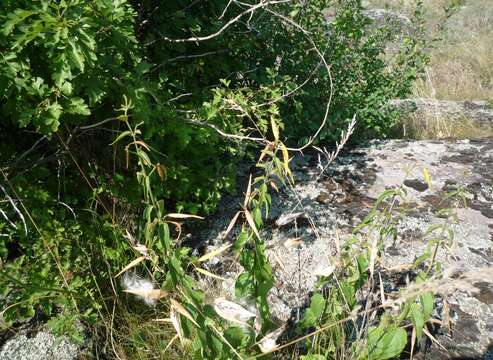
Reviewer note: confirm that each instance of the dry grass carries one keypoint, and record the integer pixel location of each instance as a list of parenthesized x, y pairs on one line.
[(137, 336), (436, 126), (461, 66)]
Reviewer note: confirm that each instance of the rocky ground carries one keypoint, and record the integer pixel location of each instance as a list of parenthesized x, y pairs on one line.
[(38, 345), (323, 210)]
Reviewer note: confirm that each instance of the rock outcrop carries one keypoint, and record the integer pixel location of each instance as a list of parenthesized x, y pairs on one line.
[(478, 112), (321, 211)]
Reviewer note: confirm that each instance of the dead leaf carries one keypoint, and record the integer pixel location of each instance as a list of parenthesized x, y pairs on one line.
[(274, 186), (286, 219), (251, 223), (413, 342), (233, 312), (129, 237), (142, 249), (432, 338), (285, 156), (175, 320), (131, 265), (263, 153), (269, 342), (275, 129), (173, 339), (141, 143), (161, 171), (294, 242), (248, 192), (179, 307), (163, 320), (231, 224), (214, 253), (178, 228), (153, 294), (208, 273), (183, 216)]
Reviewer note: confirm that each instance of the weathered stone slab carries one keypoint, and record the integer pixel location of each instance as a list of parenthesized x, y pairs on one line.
[(478, 112), (327, 208)]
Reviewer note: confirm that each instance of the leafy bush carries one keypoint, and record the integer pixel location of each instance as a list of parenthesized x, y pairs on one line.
[(63, 60), (69, 63), (203, 85)]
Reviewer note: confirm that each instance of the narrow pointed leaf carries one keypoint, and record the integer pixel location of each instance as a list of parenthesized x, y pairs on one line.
[(175, 320), (121, 136), (275, 129), (248, 192), (231, 224), (141, 143), (179, 308), (251, 223), (269, 342), (183, 216), (153, 294), (208, 273), (214, 253), (131, 265), (173, 339)]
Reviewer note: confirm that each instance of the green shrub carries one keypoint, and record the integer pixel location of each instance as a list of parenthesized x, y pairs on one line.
[(64, 70)]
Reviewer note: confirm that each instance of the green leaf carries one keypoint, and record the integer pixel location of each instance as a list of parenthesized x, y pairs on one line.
[(241, 241), (53, 112), (13, 19), (427, 301), (314, 312), (317, 304), (385, 343), (121, 136), (78, 106), (164, 237), (264, 279), (38, 87), (66, 88), (243, 285), (417, 319), (60, 76), (144, 157), (76, 55), (235, 336)]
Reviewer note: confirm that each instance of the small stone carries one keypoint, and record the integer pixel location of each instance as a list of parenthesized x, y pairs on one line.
[(416, 184)]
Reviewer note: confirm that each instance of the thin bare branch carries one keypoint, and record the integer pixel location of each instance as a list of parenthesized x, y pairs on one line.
[(260, 5), (331, 156), (225, 134), (187, 57), (11, 201)]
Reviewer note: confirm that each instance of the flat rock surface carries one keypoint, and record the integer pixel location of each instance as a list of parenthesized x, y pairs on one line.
[(40, 346), (322, 210)]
